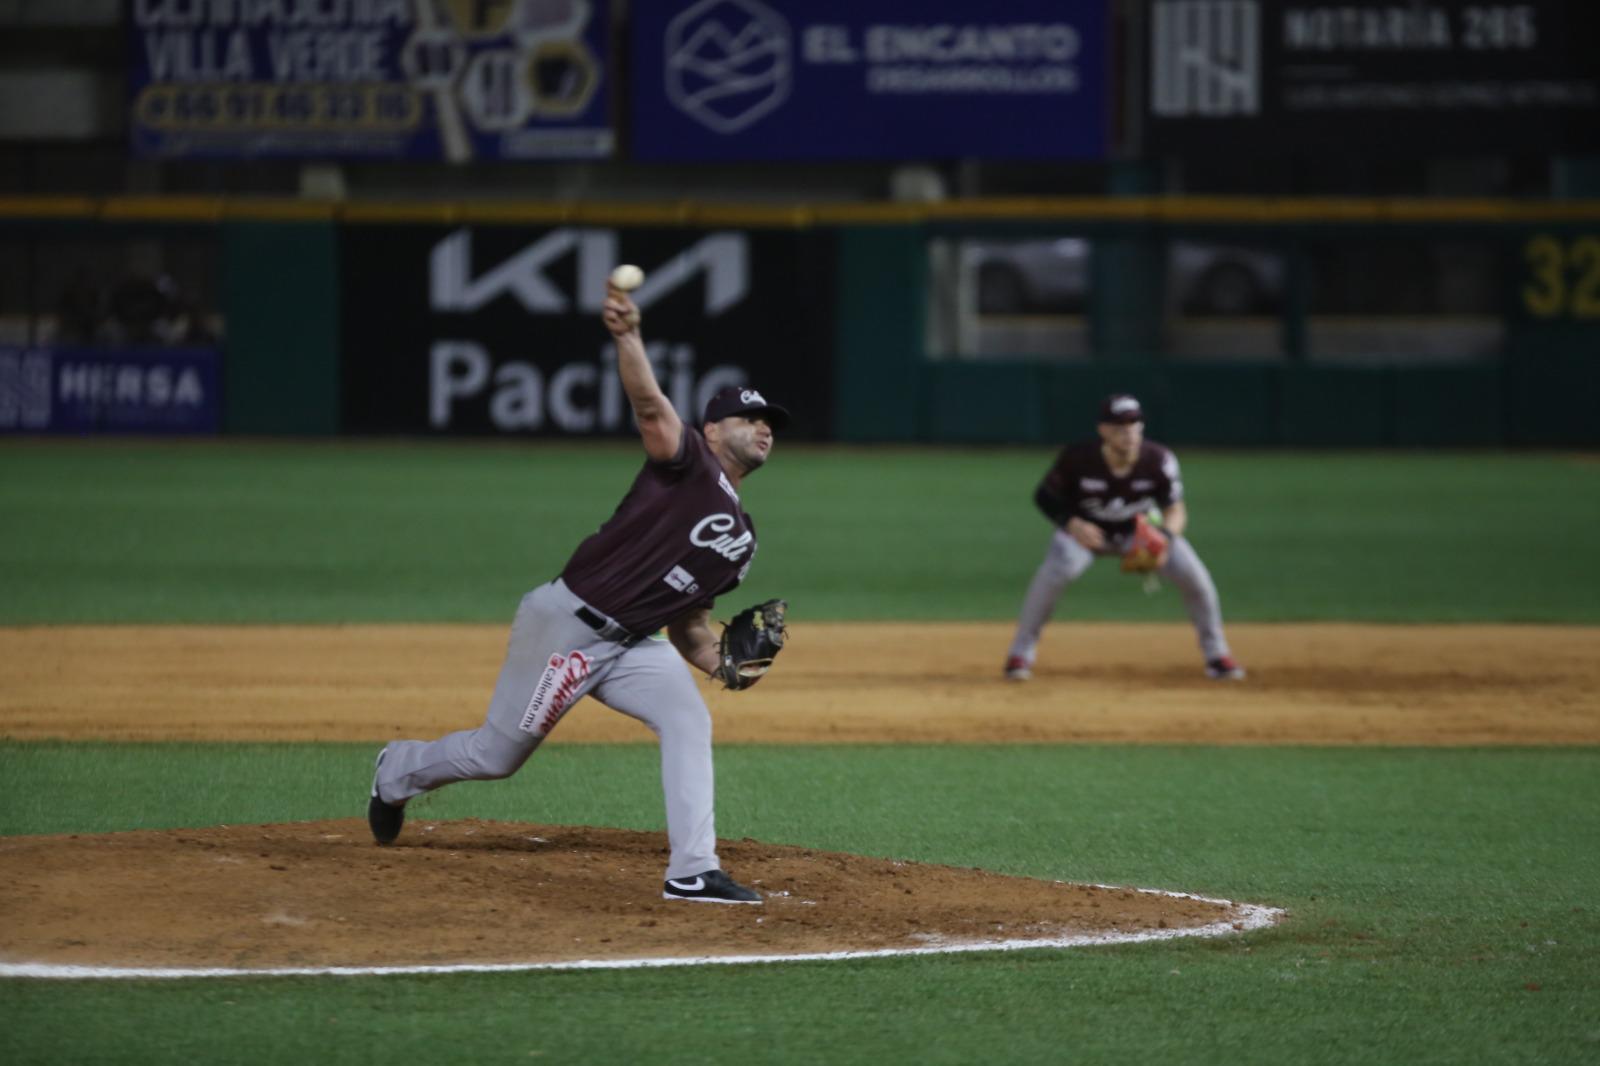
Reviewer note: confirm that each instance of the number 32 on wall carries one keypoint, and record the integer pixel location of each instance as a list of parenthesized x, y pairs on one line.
[(1563, 278)]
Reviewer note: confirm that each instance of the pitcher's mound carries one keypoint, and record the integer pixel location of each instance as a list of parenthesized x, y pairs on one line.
[(322, 894)]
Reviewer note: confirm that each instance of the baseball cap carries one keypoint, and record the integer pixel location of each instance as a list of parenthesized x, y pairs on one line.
[(1122, 408), (743, 400)]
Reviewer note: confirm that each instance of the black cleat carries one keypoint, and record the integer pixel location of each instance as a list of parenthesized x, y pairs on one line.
[(385, 819), (713, 886), (1224, 669)]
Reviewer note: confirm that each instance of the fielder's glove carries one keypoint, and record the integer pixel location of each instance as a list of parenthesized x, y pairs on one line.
[(749, 643), (1147, 549)]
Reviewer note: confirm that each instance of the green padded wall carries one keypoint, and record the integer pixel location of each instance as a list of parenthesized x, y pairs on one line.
[(1250, 405), (882, 279), (281, 292), (1332, 405), (1448, 406)]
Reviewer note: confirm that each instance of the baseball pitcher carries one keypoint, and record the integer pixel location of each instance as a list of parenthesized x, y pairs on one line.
[(678, 539), (1097, 496)]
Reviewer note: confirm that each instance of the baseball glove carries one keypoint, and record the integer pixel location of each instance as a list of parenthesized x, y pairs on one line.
[(1146, 551), (749, 643)]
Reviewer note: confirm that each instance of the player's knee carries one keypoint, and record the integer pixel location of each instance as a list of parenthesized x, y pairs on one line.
[(1193, 583), (1058, 570), (496, 761), (1065, 574), (689, 723)]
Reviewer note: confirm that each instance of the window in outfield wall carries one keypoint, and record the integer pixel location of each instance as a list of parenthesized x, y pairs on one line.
[(1029, 299), (1405, 301), (160, 292), (1224, 300), (1009, 299)]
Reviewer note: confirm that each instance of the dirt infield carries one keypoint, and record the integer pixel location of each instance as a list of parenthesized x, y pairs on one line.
[(1308, 684), (269, 896)]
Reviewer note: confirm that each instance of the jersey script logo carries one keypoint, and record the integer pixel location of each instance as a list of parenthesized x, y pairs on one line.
[(712, 532), (1117, 509)]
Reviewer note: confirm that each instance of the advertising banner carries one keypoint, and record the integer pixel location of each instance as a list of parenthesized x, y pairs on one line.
[(893, 79), (1372, 77), (422, 79), (495, 330), (110, 390)]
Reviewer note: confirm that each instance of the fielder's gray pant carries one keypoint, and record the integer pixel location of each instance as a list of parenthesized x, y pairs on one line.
[(553, 660), (1065, 562)]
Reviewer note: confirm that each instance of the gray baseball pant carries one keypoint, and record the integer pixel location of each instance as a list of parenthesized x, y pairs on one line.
[(553, 659), (1065, 562)]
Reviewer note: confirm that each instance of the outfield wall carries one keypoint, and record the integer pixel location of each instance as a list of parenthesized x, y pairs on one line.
[(457, 319)]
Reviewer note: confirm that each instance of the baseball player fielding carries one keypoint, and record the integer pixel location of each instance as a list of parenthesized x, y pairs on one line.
[(1097, 495), (627, 277)]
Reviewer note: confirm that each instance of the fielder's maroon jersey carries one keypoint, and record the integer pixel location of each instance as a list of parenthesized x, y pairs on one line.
[(677, 540), (1082, 484)]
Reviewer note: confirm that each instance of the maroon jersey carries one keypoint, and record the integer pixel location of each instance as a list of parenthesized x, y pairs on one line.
[(1082, 484), (677, 540)]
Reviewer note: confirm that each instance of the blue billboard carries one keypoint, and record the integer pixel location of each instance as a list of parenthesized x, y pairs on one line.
[(457, 80), (890, 79), (110, 390)]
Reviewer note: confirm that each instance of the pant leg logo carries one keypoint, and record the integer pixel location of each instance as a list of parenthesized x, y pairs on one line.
[(555, 693)]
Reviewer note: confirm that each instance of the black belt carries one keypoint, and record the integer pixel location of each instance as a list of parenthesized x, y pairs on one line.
[(607, 629)]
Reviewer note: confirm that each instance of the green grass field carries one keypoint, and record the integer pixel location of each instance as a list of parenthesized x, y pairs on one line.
[(1442, 901), (383, 532)]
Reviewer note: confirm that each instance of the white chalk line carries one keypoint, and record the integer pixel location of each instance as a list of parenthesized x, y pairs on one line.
[(1248, 917)]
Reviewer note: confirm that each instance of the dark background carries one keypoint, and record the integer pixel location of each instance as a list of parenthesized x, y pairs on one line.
[(1565, 53)]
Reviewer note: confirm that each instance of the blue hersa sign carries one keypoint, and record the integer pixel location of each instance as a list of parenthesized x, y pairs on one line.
[(886, 79)]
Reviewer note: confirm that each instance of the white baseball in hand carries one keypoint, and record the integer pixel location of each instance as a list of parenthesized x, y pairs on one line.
[(627, 277)]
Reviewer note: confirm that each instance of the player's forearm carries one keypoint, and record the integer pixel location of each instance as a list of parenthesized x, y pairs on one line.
[(659, 425), (695, 642), (639, 379), (1085, 532), (1175, 519)]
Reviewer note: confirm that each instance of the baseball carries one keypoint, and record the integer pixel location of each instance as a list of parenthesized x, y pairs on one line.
[(627, 277)]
